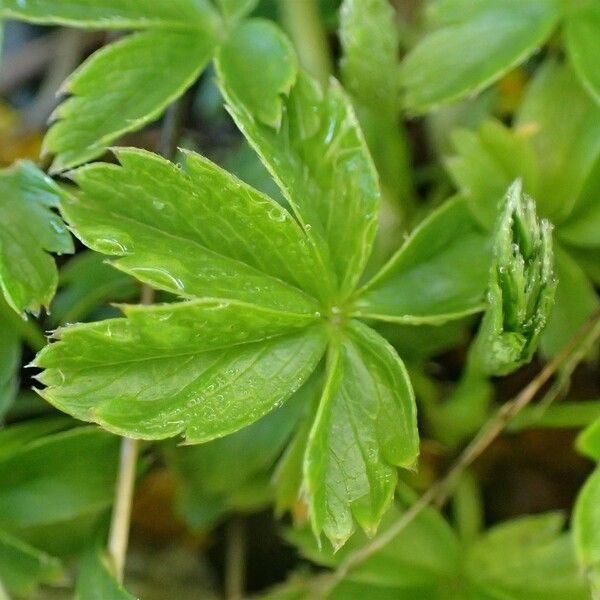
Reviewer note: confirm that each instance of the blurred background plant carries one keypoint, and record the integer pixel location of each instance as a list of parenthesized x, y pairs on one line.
[(457, 100)]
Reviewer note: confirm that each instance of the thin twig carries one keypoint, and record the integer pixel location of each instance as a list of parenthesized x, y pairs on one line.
[(235, 560), (438, 493)]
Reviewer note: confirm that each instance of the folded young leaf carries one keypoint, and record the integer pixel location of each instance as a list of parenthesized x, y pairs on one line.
[(365, 427), (23, 567), (316, 154), (521, 288), (203, 368), (112, 14), (582, 33), (444, 66), (439, 274), (142, 73), (28, 232), (195, 233), (586, 529), (566, 143), (528, 558)]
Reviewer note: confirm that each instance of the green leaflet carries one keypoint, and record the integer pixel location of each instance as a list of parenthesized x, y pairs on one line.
[(111, 14), (23, 567), (201, 233), (444, 66), (370, 67), (319, 159), (521, 289), (159, 65), (365, 426), (135, 377), (87, 284), (486, 162), (527, 558), (95, 580), (586, 528), (566, 143), (439, 274), (28, 232), (582, 33), (261, 68)]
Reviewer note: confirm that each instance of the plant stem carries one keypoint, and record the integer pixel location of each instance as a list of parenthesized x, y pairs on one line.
[(3, 593), (438, 493), (121, 516), (302, 21), (235, 560)]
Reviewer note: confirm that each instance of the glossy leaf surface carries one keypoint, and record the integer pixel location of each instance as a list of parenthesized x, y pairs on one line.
[(365, 427), (160, 66), (318, 157), (439, 274)]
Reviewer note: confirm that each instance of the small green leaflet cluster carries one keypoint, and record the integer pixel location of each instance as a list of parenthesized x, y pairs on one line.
[(267, 296), (442, 66), (521, 289), (527, 558), (556, 153), (130, 82)]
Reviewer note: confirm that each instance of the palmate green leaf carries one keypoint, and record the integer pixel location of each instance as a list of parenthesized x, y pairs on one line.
[(159, 66), (365, 426), (316, 154), (521, 289), (23, 567), (28, 232), (95, 580), (444, 66), (439, 274), (582, 33), (111, 14), (566, 142), (527, 558), (200, 233), (54, 488), (586, 529), (204, 367)]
